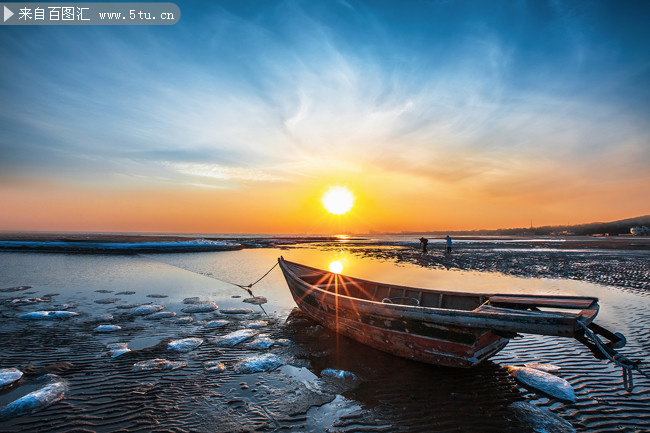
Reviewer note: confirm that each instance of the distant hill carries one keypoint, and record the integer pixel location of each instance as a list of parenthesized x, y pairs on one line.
[(612, 228)]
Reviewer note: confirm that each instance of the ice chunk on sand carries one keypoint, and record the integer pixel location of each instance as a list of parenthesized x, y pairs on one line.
[(545, 382), (161, 315), (185, 344), (107, 328), (260, 343), (214, 366), (9, 376), (19, 302), (127, 306), (48, 315), (217, 324), (548, 368), (234, 338), (192, 300), (203, 307), (158, 364), (117, 349), (237, 311), (256, 300), (185, 320), (143, 310), (53, 391), (106, 300), (255, 364), (338, 374), (540, 419), (257, 324)]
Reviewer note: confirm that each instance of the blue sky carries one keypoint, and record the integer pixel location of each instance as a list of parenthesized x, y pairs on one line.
[(493, 99)]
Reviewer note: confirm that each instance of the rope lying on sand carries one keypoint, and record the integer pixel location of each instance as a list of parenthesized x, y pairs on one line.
[(619, 359)]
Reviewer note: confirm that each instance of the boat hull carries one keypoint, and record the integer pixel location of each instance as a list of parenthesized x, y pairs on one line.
[(431, 343)]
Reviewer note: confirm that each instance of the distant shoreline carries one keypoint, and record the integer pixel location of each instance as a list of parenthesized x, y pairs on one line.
[(106, 243)]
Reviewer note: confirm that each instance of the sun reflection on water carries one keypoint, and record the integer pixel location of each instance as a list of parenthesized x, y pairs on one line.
[(336, 267)]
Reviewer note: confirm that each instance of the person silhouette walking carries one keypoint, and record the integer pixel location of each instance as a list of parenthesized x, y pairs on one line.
[(448, 243), (424, 242)]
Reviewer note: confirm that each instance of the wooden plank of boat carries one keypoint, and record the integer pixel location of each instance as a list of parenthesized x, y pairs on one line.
[(441, 327), (541, 301)]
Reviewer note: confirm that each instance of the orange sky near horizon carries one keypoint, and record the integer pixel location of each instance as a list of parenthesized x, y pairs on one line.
[(382, 203)]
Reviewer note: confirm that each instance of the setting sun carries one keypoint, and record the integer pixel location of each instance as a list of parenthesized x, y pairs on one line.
[(338, 200)]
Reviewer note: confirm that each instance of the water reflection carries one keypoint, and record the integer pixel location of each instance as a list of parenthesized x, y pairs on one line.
[(408, 394), (336, 266)]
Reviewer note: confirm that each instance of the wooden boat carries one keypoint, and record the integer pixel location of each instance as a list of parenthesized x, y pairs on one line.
[(433, 326)]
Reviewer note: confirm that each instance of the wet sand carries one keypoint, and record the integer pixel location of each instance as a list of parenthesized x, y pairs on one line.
[(388, 393)]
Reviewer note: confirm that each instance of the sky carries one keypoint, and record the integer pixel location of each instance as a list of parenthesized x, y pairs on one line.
[(436, 115)]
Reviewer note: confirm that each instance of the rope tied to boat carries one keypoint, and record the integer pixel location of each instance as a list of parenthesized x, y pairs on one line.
[(628, 365), (249, 287)]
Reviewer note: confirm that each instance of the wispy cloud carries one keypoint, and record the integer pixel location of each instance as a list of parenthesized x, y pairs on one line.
[(434, 90), (225, 173)]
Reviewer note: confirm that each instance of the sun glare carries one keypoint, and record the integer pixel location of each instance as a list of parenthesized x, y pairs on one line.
[(338, 200), (336, 267)]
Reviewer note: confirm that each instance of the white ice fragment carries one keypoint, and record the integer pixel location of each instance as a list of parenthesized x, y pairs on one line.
[(237, 311), (117, 349), (143, 310), (548, 368), (158, 364), (255, 364), (185, 344), (214, 366), (540, 419), (217, 324), (545, 382), (161, 315), (43, 397), (256, 300), (48, 315), (107, 328), (202, 307), (338, 374), (257, 324), (234, 338), (9, 376), (261, 342)]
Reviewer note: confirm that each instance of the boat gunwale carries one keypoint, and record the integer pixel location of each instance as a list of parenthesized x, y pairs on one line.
[(423, 289), (434, 314)]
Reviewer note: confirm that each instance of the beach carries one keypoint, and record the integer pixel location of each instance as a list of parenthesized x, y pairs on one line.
[(218, 387)]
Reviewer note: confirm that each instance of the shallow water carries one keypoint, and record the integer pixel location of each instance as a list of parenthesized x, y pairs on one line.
[(391, 394)]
